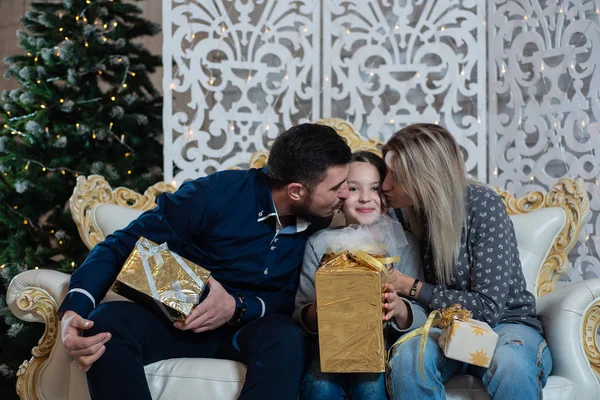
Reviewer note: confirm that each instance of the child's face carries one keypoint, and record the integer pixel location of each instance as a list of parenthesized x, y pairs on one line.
[(363, 206)]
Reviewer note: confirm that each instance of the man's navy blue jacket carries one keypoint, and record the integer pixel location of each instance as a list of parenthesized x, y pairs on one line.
[(226, 223)]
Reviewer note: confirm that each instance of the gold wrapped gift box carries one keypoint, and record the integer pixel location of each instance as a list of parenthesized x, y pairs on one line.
[(161, 280), (348, 292), (470, 341)]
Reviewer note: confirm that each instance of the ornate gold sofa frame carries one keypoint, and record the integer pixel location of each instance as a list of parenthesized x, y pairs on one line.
[(547, 226)]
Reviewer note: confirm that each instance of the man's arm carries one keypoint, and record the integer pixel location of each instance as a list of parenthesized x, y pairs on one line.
[(176, 219)]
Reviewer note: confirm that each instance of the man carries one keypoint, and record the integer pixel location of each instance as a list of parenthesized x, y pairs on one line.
[(249, 229)]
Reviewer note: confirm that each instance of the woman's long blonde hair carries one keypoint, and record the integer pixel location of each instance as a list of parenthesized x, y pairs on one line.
[(427, 162)]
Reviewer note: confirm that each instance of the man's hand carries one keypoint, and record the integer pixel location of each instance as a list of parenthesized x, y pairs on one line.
[(85, 350), (216, 309)]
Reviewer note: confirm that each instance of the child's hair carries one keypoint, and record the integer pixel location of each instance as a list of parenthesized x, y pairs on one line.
[(376, 161)]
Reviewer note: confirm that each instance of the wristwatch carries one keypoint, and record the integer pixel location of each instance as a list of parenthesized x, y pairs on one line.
[(240, 310), (413, 289)]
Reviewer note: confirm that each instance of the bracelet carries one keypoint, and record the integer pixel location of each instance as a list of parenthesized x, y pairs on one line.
[(240, 310), (413, 289)]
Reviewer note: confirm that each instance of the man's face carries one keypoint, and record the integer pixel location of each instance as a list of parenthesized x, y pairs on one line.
[(328, 195)]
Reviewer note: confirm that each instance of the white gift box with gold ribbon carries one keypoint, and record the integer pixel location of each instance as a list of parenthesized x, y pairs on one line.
[(470, 341)]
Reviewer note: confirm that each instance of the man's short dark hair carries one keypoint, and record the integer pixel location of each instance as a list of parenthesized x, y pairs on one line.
[(303, 153)]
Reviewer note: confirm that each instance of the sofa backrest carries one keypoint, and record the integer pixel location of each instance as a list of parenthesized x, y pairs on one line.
[(547, 226), (536, 232)]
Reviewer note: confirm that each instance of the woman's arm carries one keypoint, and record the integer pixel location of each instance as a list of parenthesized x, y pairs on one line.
[(489, 273)]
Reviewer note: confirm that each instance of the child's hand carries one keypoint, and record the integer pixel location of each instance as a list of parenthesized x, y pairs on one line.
[(394, 307), (390, 301)]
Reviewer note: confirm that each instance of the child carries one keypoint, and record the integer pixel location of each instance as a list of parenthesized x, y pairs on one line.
[(364, 206)]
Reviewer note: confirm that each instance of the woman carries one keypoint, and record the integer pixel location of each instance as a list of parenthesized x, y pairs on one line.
[(470, 257), (364, 206)]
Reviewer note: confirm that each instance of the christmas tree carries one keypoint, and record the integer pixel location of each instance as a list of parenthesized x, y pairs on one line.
[(85, 106)]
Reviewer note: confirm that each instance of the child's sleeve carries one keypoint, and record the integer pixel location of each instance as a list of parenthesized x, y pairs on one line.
[(410, 264), (306, 294)]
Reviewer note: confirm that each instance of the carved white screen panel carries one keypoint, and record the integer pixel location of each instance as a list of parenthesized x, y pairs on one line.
[(544, 92), (236, 73), (387, 64)]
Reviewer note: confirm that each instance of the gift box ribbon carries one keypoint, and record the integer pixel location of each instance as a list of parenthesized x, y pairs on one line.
[(147, 250), (441, 319), (362, 258)]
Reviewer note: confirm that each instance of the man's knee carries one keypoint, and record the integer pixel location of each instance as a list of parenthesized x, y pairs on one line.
[(281, 327), (112, 316), (275, 332)]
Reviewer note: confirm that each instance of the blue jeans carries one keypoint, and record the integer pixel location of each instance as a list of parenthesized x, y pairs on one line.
[(519, 368), (354, 386)]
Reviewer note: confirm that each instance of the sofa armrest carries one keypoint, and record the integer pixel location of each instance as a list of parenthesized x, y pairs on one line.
[(34, 296), (571, 316), (33, 286)]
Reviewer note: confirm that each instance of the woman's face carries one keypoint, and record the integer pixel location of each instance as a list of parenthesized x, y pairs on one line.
[(395, 195), (363, 205)]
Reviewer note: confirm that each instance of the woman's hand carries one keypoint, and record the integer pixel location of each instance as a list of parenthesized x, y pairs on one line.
[(401, 282)]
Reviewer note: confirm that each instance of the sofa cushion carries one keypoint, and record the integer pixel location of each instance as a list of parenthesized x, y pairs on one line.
[(467, 387), (536, 231), (195, 378)]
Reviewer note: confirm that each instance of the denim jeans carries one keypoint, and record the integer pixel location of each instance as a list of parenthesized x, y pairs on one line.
[(519, 368), (354, 386)]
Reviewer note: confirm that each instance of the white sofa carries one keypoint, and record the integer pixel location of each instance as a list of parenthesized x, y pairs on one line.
[(547, 228)]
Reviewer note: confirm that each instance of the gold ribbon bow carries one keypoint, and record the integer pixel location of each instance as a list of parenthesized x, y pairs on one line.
[(359, 257), (442, 319)]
